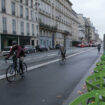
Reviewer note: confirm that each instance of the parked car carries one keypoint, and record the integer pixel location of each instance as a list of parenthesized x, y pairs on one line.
[(29, 49), (57, 46), (43, 48), (81, 45), (94, 45), (86, 45), (6, 50)]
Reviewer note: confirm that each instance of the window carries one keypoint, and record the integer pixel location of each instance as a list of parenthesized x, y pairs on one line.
[(14, 26), (4, 20), (32, 3), (21, 11), (26, 2), (32, 29), (27, 27), (21, 1), (27, 13), (13, 8), (3, 6), (32, 15), (22, 28)]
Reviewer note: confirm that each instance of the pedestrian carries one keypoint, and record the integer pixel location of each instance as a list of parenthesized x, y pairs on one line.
[(99, 47)]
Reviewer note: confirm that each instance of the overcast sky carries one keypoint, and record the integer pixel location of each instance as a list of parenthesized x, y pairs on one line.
[(95, 10)]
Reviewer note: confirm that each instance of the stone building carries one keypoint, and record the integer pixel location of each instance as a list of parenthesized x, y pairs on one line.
[(81, 28), (55, 24), (17, 22), (75, 29)]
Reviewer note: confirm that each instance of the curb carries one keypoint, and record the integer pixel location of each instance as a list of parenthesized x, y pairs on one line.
[(74, 94)]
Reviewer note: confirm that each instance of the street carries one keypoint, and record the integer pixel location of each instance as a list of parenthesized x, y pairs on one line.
[(50, 84)]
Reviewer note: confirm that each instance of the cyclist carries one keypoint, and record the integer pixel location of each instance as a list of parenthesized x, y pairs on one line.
[(99, 47), (17, 52), (63, 52)]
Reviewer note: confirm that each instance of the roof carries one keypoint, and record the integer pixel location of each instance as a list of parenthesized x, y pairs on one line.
[(69, 2)]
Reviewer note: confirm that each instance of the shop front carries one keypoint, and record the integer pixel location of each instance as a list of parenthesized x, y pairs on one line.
[(6, 40), (24, 40), (46, 41), (59, 39)]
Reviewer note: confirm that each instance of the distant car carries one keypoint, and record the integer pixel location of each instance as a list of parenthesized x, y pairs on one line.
[(81, 45), (57, 46), (43, 48), (94, 45), (29, 49), (6, 50), (86, 45)]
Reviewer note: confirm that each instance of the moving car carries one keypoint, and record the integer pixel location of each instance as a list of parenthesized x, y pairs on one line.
[(29, 49), (6, 50)]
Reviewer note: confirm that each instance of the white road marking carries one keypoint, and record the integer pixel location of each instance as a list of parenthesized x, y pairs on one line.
[(51, 54), (47, 63)]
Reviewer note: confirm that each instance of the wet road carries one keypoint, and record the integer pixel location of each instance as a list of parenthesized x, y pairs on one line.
[(50, 84)]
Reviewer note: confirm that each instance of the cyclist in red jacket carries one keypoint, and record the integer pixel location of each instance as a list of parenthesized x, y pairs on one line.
[(17, 52)]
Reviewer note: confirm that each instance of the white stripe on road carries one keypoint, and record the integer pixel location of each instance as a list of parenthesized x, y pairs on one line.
[(51, 54), (46, 63)]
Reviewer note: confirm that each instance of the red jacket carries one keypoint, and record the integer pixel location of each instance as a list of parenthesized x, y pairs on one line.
[(19, 49)]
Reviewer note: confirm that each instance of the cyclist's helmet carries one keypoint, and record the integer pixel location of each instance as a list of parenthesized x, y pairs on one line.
[(14, 43)]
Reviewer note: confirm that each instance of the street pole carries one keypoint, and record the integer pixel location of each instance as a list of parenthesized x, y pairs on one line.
[(104, 45)]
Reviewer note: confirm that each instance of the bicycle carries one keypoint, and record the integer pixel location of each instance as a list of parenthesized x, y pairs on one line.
[(12, 74), (62, 59)]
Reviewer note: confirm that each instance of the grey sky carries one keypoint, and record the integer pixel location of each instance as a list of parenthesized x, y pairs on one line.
[(94, 9)]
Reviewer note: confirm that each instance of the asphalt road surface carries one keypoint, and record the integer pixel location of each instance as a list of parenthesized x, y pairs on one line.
[(50, 84)]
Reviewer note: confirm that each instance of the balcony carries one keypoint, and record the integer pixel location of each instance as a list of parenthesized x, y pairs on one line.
[(66, 32), (47, 27)]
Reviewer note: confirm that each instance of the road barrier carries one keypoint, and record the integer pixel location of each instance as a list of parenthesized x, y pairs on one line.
[(90, 98), (96, 81), (95, 85), (100, 68), (103, 58)]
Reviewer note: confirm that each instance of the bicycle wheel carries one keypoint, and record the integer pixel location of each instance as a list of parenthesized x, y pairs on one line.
[(24, 67), (11, 74), (62, 60)]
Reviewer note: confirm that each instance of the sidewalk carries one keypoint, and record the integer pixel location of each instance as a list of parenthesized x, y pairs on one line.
[(79, 86)]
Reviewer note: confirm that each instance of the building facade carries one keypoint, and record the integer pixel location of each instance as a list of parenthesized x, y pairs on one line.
[(54, 19), (42, 22), (75, 29), (17, 22), (81, 28)]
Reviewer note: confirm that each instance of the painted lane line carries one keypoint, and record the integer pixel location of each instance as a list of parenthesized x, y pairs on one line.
[(51, 54), (46, 63), (2, 76)]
